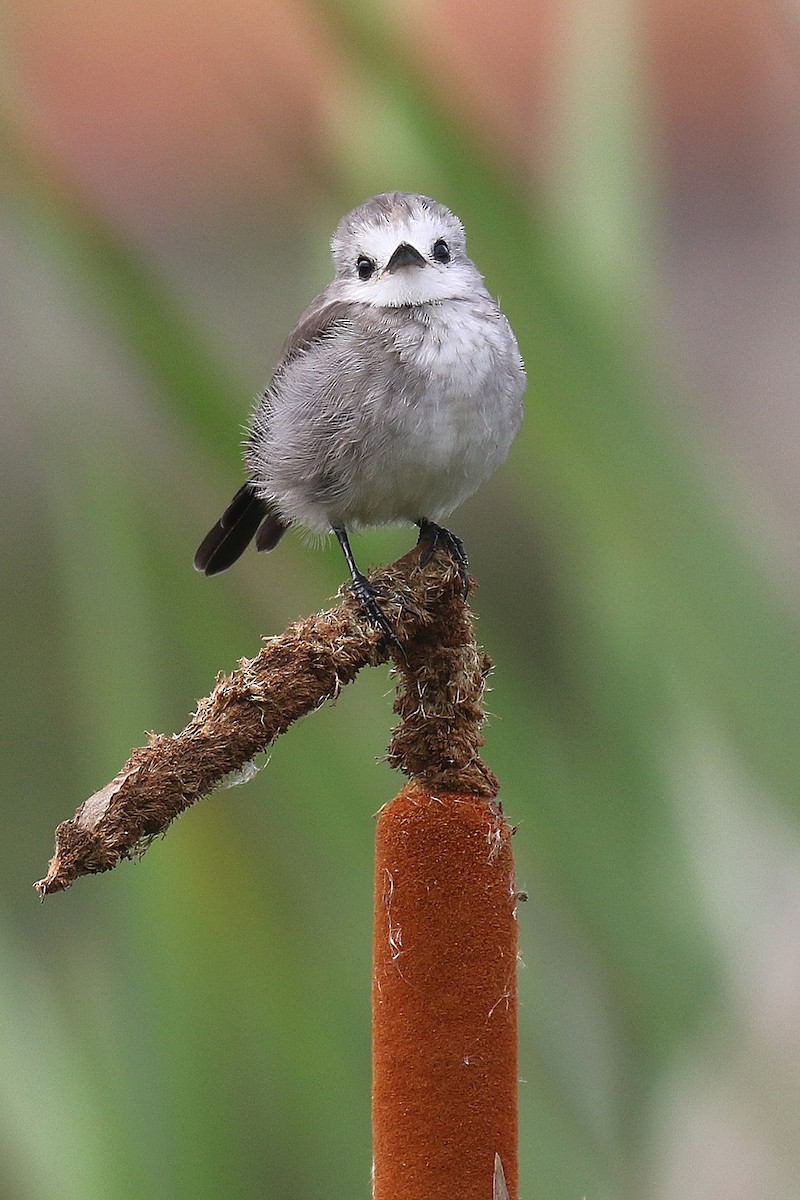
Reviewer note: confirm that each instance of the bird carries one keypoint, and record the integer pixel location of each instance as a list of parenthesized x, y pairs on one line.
[(397, 394)]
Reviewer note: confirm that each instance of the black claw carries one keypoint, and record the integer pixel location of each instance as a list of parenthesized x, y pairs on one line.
[(432, 537), (367, 597)]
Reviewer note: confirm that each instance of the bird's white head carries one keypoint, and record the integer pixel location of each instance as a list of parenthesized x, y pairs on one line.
[(400, 249)]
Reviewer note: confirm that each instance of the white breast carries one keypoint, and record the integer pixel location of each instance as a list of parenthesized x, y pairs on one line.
[(401, 416), (462, 410)]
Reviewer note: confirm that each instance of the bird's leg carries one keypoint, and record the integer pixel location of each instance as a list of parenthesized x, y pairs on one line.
[(365, 592), (432, 537)]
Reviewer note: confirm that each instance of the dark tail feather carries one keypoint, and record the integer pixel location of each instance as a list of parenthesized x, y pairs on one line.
[(270, 532), (235, 529)]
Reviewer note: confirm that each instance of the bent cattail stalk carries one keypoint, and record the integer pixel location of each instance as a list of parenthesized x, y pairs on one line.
[(445, 940), (293, 674)]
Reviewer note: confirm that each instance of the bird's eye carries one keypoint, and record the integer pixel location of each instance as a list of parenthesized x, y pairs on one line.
[(365, 267), (441, 251)]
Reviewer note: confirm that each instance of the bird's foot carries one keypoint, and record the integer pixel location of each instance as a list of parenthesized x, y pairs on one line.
[(367, 596), (431, 537)]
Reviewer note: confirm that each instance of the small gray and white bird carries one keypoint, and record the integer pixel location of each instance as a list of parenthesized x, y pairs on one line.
[(397, 394)]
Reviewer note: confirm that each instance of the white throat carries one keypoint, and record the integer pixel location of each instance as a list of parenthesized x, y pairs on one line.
[(413, 285)]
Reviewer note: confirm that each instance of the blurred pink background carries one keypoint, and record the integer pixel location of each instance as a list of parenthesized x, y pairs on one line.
[(164, 111)]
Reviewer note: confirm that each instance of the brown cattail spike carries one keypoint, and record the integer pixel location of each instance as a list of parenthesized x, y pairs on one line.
[(444, 999)]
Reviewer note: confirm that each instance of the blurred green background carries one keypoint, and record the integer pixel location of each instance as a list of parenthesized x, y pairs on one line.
[(197, 1024)]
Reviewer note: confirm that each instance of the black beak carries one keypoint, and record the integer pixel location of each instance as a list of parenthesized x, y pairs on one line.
[(405, 256)]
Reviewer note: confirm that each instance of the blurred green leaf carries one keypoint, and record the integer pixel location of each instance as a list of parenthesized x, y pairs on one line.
[(226, 1026)]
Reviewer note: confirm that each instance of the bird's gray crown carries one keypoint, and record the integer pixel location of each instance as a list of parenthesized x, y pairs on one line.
[(396, 209)]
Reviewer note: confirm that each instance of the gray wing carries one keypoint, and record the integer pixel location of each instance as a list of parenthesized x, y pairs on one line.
[(323, 319), (321, 322), (335, 354), (248, 514)]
